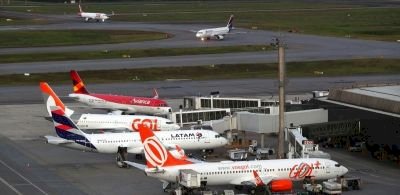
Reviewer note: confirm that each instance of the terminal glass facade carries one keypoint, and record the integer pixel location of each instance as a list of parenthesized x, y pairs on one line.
[(193, 117), (229, 103)]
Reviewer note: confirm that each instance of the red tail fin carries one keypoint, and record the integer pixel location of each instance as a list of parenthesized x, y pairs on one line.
[(49, 93), (155, 152), (51, 99), (79, 87)]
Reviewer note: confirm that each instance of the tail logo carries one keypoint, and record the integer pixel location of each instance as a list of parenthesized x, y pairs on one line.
[(156, 153)]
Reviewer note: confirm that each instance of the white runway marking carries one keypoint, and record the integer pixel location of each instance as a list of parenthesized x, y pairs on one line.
[(10, 186), (24, 178)]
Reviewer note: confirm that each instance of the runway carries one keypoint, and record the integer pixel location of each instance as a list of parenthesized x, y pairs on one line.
[(300, 48)]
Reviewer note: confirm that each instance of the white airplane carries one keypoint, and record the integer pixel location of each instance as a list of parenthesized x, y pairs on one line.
[(277, 174), (106, 121), (93, 16), (69, 135), (118, 104), (218, 33)]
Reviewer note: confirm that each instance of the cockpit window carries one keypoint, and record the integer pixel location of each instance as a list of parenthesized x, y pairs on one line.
[(337, 165), (170, 123), (217, 136)]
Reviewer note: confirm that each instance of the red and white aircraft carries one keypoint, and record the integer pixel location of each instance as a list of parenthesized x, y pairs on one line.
[(93, 16), (118, 103), (106, 121), (277, 174), (71, 136)]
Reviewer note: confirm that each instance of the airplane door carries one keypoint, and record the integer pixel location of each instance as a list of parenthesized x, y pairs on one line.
[(327, 168)]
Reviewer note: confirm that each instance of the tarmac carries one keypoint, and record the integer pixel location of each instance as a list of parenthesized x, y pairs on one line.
[(30, 166)]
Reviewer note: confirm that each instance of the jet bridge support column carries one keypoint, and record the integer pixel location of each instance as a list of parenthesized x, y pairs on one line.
[(262, 144)]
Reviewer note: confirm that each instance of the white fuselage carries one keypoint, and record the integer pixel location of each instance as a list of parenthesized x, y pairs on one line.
[(95, 102), (130, 122), (229, 172), (186, 139), (212, 32), (94, 16)]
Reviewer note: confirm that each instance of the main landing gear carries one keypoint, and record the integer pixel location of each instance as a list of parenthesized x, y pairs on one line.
[(122, 155)]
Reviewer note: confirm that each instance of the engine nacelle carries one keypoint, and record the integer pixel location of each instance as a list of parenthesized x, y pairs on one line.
[(220, 37), (283, 185)]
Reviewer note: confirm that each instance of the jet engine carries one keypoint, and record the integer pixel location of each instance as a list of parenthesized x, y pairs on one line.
[(219, 37), (283, 185)]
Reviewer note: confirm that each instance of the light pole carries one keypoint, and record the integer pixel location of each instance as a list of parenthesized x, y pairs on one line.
[(282, 79)]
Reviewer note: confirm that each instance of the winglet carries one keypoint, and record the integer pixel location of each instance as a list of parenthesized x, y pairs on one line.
[(155, 152), (258, 181), (51, 99), (155, 93), (79, 86)]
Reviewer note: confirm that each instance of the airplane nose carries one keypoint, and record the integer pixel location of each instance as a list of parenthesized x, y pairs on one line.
[(224, 141), (345, 170)]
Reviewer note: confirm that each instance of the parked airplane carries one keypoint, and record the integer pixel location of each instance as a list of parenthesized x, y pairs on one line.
[(93, 16), (118, 103), (277, 174), (218, 33), (69, 135), (106, 121)]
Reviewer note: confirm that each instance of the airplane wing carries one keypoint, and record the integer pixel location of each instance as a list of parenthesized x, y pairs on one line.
[(112, 14), (254, 180), (136, 165), (240, 32)]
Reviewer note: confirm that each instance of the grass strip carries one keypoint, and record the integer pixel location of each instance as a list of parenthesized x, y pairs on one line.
[(132, 53), (206, 72), (40, 38)]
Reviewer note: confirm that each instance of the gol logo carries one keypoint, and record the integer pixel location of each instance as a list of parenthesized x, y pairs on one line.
[(301, 171), (155, 153), (152, 124)]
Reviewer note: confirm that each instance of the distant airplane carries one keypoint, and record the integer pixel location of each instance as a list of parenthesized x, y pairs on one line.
[(106, 121), (218, 33), (71, 136), (93, 16), (277, 174), (117, 103)]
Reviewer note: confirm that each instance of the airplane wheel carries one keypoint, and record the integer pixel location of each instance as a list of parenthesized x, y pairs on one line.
[(120, 162)]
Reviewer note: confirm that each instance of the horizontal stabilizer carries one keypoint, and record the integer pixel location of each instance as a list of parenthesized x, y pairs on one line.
[(57, 140)]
